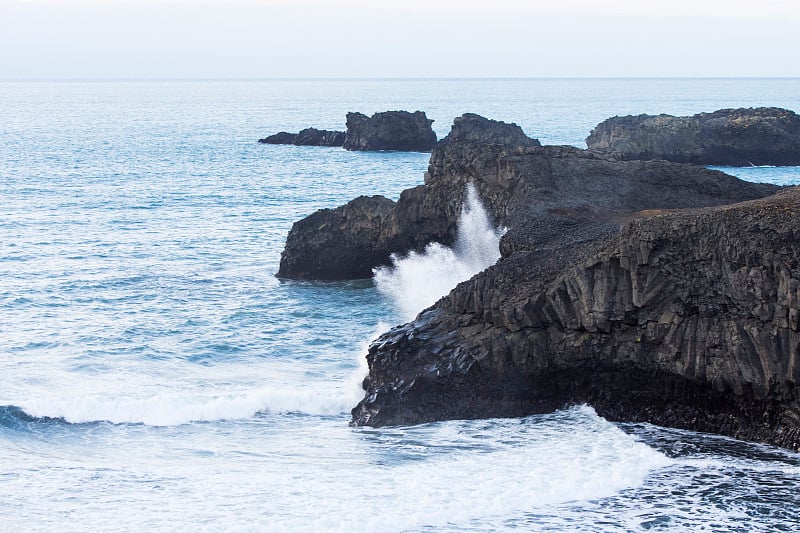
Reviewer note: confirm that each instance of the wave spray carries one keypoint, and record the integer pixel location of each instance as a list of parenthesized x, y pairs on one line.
[(417, 280)]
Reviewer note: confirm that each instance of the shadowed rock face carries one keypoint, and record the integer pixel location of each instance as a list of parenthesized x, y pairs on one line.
[(391, 130), (737, 137), (475, 128), (685, 318)]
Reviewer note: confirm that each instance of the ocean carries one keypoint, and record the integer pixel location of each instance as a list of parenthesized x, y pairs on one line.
[(155, 375)]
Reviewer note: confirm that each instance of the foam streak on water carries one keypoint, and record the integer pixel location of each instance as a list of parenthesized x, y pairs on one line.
[(415, 281)]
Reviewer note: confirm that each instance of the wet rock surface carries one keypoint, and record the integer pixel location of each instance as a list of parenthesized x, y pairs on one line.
[(737, 137), (391, 130), (336, 244)]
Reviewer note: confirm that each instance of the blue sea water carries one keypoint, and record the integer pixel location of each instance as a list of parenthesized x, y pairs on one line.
[(155, 375)]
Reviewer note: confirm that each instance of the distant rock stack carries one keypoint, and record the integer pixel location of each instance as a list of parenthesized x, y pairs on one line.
[(392, 130), (736, 137), (307, 137), (398, 131)]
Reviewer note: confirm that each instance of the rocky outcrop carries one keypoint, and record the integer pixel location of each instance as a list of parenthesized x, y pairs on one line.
[(475, 128), (654, 291), (307, 137), (737, 137), (398, 131), (422, 215), (686, 318), (336, 244), (391, 130), (538, 192)]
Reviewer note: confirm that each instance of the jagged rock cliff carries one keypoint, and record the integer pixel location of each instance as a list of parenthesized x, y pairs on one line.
[(738, 137), (654, 291), (686, 318)]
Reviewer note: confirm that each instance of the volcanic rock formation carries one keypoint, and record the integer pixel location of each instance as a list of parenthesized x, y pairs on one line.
[(687, 318), (539, 192), (399, 131), (391, 130), (737, 137), (654, 291)]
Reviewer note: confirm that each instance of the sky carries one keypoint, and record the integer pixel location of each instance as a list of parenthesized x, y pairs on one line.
[(211, 39)]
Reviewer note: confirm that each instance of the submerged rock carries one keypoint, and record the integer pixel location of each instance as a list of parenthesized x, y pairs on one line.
[(391, 130), (737, 137)]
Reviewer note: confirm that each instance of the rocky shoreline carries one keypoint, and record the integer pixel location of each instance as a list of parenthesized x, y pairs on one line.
[(654, 291)]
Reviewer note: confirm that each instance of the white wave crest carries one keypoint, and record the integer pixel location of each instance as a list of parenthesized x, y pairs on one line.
[(171, 409), (191, 399), (418, 280)]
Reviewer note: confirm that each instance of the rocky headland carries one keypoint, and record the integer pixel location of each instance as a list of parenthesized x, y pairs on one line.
[(398, 131), (652, 290), (736, 137)]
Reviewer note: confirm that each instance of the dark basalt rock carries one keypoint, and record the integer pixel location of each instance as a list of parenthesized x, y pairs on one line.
[(283, 137), (737, 137), (391, 130), (475, 128), (538, 192), (315, 137), (654, 291), (423, 214), (686, 318), (307, 137), (336, 244)]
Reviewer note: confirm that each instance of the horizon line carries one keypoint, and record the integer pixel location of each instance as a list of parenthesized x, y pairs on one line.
[(101, 79)]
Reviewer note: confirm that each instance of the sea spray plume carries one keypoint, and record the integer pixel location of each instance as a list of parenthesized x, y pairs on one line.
[(418, 280)]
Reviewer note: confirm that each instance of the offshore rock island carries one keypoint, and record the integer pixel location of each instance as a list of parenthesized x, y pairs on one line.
[(654, 291), (398, 131), (735, 137)]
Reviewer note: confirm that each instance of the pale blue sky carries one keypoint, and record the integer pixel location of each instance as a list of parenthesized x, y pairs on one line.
[(412, 38)]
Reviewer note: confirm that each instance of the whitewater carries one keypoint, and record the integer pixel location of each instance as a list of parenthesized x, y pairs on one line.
[(155, 375)]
